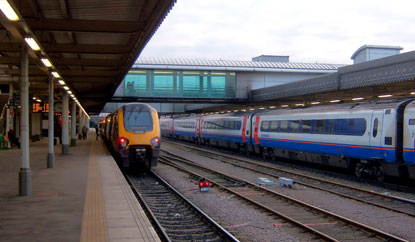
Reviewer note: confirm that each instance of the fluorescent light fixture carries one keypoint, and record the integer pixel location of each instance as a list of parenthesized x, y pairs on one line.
[(46, 62), (229, 111), (65, 87), (285, 106), (236, 111), (252, 109), (38, 100), (386, 95), (358, 98), (272, 107), (32, 43), (34, 98), (69, 92), (72, 96), (7, 9), (299, 104), (412, 93), (335, 101), (261, 108), (62, 82), (55, 74), (315, 103)]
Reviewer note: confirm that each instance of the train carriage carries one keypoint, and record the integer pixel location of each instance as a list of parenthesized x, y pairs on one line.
[(409, 139), (186, 128), (231, 130)]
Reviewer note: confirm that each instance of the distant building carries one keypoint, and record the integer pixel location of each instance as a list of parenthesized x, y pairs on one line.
[(215, 79), (373, 52)]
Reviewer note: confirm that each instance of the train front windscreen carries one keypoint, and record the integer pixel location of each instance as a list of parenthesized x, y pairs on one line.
[(137, 118)]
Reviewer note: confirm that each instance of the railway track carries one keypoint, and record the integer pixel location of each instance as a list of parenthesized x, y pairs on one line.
[(324, 224), (392, 203), (177, 218)]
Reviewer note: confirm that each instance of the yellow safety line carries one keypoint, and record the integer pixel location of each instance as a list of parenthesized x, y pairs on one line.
[(94, 226)]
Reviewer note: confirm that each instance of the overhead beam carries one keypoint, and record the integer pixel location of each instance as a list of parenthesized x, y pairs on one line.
[(86, 62), (71, 48), (90, 79), (93, 26)]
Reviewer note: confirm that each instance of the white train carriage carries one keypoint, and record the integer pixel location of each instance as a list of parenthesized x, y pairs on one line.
[(409, 138), (186, 128), (363, 137), (231, 130), (167, 127)]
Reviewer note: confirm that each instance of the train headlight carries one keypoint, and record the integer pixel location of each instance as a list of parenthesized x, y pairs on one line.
[(123, 142), (155, 142)]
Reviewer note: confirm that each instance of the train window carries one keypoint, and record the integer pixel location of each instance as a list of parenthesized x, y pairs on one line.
[(294, 126), (238, 125), (375, 127), (320, 127), (265, 126), (137, 118), (412, 122), (306, 126), (274, 126), (331, 126), (284, 126), (356, 127)]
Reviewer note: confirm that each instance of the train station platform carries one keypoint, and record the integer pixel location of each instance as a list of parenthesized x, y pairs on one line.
[(83, 198)]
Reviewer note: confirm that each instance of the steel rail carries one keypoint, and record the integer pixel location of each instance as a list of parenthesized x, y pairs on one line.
[(300, 203), (400, 199)]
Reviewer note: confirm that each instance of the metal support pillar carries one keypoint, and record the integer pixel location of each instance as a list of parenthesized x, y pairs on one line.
[(73, 123), (51, 154), (80, 121), (65, 123), (25, 177)]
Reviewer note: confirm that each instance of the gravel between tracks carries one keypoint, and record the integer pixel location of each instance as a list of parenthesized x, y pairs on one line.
[(391, 222), (236, 216)]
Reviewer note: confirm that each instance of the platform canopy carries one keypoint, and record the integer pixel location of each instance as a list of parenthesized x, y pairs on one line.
[(91, 44)]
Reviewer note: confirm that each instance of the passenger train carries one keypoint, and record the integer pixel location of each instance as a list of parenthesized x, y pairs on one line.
[(133, 133), (367, 138)]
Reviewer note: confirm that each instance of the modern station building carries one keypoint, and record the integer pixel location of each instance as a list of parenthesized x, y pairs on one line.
[(175, 85)]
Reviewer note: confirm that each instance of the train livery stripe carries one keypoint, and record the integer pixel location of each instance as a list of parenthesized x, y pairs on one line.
[(256, 130), (329, 144), (244, 129)]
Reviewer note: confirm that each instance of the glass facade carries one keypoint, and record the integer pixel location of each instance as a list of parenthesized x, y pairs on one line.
[(176, 83)]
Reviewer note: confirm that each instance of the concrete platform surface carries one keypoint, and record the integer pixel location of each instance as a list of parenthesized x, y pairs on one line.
[(84, 198)]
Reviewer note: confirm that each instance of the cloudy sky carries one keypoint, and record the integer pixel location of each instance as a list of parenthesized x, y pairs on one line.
[(320, 31)]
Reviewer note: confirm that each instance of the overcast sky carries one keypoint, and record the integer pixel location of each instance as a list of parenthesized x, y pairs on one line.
[(308, 31)]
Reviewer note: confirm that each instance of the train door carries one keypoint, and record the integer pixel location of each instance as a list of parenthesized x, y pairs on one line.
[(375, 134)]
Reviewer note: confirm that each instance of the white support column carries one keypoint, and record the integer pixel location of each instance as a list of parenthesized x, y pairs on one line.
[(25, 177), (51, 155), (65, 123), (73, 122)]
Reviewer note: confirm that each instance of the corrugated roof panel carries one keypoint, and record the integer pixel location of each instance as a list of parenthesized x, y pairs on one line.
[(234, 63), (120, 10)]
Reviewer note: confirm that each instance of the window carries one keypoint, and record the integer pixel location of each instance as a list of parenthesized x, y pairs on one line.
[(320, 127), (284, 126), (375, 127), (412, 122), (137, 118), (295, 126), (265, 126), (306, 127), (274, 126)]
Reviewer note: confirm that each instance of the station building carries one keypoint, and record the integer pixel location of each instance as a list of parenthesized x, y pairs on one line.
[(209, 81)]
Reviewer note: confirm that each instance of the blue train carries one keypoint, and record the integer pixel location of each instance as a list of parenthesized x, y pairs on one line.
[(368, 138)]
